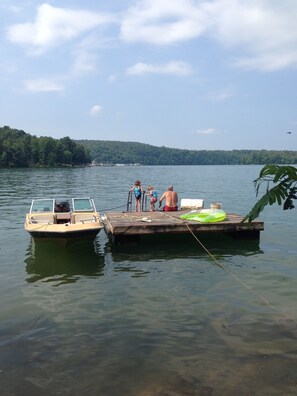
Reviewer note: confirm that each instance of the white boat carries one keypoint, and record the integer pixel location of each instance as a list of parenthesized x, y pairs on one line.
[(64, 219)]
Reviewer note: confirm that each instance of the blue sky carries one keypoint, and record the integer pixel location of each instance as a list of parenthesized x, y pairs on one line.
[(192, 74)]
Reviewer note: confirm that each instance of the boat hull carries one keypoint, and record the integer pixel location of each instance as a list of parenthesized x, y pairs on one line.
[(56, 231)]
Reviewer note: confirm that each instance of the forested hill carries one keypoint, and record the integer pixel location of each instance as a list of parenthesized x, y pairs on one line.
[(20, 149), (114, 152)]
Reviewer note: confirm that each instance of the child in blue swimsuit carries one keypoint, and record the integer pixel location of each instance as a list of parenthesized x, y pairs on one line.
[(138, 191)]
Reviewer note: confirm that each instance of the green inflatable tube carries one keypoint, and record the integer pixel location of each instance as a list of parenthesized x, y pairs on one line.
[(205, 216)]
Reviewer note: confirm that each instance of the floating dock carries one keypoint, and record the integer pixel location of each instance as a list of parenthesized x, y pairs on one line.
[(133, 225)]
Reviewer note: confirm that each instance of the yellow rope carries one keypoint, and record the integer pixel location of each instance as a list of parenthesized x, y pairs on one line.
[(230, 272), (43, 225), (222, 266)]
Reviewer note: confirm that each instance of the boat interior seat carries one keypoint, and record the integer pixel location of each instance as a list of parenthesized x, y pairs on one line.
[(43, 218), (191, 203), (83, 218), (63, 217)]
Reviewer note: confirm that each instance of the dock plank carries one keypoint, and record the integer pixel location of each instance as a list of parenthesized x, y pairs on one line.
[(159, 222)]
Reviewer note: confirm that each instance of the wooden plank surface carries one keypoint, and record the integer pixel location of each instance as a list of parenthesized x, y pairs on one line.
[(142, 223)]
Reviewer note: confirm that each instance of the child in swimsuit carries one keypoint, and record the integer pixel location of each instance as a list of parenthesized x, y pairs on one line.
[(153, 197), (138, 191)]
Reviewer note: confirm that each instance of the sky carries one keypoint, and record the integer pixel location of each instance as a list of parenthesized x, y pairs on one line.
[(189, 74)]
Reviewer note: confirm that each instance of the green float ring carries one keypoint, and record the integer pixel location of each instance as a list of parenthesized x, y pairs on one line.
[(205, 216)]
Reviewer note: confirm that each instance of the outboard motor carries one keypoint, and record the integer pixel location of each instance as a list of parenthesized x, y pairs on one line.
[(62, 207)]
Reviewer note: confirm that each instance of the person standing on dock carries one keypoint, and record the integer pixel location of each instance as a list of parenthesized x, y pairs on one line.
[(171, 198), (138, 191), (153, 195)]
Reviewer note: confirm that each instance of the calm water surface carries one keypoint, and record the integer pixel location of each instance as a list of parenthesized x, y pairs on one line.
[(160, 318)]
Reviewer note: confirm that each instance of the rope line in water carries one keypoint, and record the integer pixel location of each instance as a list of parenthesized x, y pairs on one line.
[(223, 267), (231, 273)]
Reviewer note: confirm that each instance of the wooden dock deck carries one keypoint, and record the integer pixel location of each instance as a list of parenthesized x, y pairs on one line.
[(124, 225)]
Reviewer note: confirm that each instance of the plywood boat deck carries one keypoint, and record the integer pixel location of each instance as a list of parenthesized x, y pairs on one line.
[(125, 224)]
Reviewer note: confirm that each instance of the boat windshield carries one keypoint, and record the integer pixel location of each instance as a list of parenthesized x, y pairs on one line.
[(62, 205), (42, 205), (83, 205)]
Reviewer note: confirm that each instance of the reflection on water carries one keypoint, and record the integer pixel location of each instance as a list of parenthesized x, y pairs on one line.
[(50, 261), (164, 247), (164, 319)]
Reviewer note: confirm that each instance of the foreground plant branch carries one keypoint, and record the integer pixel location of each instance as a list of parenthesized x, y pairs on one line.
[(283, 191)]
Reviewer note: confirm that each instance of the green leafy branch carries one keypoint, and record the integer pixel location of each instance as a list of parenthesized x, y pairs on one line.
[(284, 189)]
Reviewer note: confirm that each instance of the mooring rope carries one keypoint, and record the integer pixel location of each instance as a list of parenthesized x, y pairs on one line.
[(220, 265), (230, 272), (42, 225), (116, 207)]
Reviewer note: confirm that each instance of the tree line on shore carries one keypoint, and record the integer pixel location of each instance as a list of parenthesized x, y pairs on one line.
[(20, 149), (115, 152)]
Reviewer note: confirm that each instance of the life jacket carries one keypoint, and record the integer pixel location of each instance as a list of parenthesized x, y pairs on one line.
[(137, 192), (155, 194)]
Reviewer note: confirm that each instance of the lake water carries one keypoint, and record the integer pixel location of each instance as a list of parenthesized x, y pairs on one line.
[(160, 318)]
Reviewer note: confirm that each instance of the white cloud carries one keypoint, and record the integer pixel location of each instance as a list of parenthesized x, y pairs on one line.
[(208, 131), (54, 26), (86, 54), (268, 61), (176, 68), (43, 85), (96, 109), (219, 96), (264, 31), (162, 22), (85, 62)]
